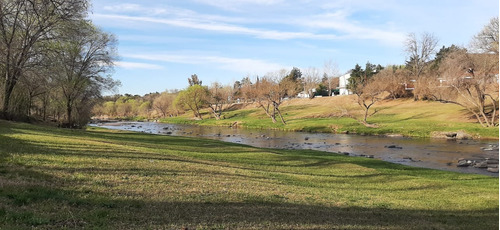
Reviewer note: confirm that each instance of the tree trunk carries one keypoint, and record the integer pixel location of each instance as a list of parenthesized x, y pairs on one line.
[(281, 116), (69, 110), (9, 87), (214, 111)]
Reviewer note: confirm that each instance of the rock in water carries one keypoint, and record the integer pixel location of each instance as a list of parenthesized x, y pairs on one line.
[(463, 163), (493, 170)]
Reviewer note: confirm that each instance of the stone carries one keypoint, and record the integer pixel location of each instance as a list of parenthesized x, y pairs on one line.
[(393, 147), (492, 161), (458, 135), (463, 163), (461, 135), (481, 164), (492, 170)]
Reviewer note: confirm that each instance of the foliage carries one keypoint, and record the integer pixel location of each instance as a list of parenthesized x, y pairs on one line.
[(193, 98), (360, 77), (193, 80), (79, 66)]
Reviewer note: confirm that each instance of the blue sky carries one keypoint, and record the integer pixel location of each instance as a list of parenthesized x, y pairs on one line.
[(161, 42)]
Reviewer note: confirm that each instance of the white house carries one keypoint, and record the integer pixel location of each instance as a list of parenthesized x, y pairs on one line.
[(303, 94), (343, 81)]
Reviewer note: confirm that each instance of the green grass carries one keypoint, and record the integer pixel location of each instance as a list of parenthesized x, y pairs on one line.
[(405, 117), (102, 179)]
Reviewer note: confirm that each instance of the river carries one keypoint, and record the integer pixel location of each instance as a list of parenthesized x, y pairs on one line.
[(439, 154)]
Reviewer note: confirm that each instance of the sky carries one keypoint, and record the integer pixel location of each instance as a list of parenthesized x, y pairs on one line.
[(161, 43)]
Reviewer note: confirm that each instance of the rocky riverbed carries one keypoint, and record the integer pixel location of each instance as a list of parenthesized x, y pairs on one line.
[(468, 156)]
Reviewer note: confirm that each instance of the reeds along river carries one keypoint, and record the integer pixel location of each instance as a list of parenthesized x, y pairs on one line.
[(467, 156)]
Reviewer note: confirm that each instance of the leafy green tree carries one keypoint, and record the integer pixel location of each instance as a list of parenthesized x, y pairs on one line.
[(360, 77), (80, 66), (442, 54), (193, 98), (294, 82), (193, 80)]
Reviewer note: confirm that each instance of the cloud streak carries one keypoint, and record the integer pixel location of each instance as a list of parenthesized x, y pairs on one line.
[(332, 24), (137, 65), (221, 27), (241, 65)]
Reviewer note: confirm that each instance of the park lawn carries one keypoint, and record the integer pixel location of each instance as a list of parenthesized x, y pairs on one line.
[(102, 179), (402, 116)]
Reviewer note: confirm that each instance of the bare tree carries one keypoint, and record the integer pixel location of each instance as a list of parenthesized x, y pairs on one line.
[(261, 91), (270, 92), (163, 103), (486, 41), (331, 70), (420, 51), (474, 79), (311, 80), (24, 26), (368, 96), (394, 79), (218, 99)]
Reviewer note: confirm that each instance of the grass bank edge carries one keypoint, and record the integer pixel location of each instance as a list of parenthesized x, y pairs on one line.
[(307, 185)]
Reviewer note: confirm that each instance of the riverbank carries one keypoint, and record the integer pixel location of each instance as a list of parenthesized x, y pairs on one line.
[(421, 119), (465, 156), (57, 178)]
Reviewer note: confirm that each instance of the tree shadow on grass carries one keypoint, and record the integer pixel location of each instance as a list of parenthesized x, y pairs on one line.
[(32, 198), (55, 207)]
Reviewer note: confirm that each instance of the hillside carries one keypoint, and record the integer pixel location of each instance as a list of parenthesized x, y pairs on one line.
[(402, 116)]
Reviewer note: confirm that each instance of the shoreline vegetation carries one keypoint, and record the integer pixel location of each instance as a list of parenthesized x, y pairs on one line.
[(98, 178), (400, 117)]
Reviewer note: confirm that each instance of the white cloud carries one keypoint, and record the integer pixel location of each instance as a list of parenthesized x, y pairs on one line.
[(326, 26), (137, 65), (239, 5), (241, 65), (221, 27)]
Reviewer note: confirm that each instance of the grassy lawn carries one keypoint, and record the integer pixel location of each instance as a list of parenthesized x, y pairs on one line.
[(102, 179), (402, 116)]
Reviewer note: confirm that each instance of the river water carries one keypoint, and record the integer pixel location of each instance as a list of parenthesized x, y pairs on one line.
[(428, 153)]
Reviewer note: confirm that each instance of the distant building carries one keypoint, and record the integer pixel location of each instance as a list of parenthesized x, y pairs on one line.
[(303, 94), (343, 82)]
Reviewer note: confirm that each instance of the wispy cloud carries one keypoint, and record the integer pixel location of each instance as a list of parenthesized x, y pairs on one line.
[(339, 21), (137, 65), (221, 27), (239, 5), (333, 23), (241, 65)]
